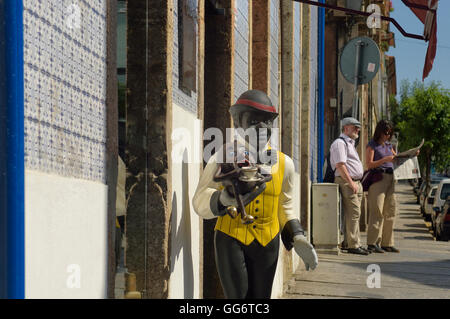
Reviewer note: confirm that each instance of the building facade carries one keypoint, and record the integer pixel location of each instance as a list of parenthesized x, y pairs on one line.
[(141, 81), (233, 46)]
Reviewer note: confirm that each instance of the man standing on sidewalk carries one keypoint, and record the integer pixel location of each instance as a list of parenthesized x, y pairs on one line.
[(348, 173)]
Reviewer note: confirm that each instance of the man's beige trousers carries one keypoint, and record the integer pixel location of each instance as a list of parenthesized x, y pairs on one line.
[(382, 209), (351, 204)]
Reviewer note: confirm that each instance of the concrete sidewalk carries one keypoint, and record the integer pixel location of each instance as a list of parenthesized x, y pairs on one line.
[(420, 270)]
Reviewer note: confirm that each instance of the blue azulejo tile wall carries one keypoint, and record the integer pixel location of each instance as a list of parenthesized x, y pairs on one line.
[(65, 87)]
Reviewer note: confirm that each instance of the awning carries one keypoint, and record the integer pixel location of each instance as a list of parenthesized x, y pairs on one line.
[(426, 11)]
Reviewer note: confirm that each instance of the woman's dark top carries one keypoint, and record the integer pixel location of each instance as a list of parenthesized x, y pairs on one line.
[(382, 151)]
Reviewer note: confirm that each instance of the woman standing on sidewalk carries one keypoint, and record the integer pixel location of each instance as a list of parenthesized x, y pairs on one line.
[(381, 199)]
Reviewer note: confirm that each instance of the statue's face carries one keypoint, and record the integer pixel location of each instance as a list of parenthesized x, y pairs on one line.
[(260, 122), (256, 120)]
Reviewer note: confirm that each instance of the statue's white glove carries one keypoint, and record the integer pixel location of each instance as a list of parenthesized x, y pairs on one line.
[(306, 251)]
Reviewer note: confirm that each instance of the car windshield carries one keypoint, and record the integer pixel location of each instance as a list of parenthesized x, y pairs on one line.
[(445, 191), (433, 192), (433, 182)]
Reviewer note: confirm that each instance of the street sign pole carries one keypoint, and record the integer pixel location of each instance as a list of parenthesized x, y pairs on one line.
[(358, 45)]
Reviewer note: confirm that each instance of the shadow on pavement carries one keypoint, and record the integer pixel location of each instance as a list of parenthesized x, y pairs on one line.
[(433, 274), (413, 228), (412, 210), (420, 237), (408, 217), (405, 193), (416, 225), (411, 231)]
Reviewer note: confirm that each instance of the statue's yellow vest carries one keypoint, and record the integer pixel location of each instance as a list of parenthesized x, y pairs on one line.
[(264, 208)]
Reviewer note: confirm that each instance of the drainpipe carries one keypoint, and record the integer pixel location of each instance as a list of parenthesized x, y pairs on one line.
[(12, 216), (321, 97)]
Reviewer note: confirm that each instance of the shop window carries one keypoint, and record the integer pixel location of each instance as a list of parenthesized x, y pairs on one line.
[(187, 44)]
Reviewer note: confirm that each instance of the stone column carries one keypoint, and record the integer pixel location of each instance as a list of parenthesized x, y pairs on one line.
[(250, 46), (305, 167), (112, 139), (287, 77), (261, 45), (201, 114), (149, 107), (286, 108), (219, 75)]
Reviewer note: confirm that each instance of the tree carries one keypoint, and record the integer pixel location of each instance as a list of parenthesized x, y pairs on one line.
[(424, 112)]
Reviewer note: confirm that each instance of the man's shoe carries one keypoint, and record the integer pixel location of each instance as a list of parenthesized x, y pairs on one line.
[(391, 249), (375, 249), (358, 251), (343, 246)]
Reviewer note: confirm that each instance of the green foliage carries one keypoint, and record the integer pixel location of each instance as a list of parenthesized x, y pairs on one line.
[(424, 112)]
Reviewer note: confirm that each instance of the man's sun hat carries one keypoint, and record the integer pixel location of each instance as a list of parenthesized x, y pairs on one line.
[(350, 121)]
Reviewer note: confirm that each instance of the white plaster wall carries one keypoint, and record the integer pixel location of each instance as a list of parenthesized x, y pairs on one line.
[(66, 237), (296, 262), (185, 223), (280, 278)]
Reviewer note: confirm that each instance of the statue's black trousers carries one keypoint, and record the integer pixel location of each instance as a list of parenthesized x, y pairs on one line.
[(245, 271)]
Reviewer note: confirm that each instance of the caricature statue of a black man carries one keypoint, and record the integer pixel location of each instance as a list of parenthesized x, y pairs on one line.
[(247, 252)]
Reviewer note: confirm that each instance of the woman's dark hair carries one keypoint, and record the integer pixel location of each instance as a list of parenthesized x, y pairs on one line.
[(383, 127)]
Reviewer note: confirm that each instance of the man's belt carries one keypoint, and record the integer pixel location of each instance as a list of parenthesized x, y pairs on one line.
[(353, 179)]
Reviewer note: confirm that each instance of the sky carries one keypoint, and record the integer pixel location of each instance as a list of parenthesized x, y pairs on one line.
[(410, 53)]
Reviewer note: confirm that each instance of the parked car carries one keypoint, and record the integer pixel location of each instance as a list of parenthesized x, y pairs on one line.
[(414, 182), (429, 201), (442, 192), (434, 180), (442, 227), (416, 186), (420, 190)]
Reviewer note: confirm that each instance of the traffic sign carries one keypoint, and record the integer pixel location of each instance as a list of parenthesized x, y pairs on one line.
[(360, 58)]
